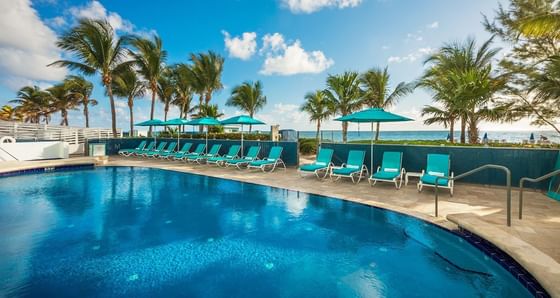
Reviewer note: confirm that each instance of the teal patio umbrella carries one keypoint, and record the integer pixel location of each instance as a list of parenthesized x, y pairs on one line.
[(373, 115), (153, 122), (243, 120), (208, 121), (178, 122)]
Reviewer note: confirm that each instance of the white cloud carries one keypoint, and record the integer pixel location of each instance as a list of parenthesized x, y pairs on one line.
[(310, 6), (413, 36), (241, 47), (290, 59), (27, 46), (411, 57), (273, 42), (56, 22), (433, 25), (96, 10)]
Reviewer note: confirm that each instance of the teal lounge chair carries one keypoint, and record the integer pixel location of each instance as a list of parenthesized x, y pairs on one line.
[(272, 161), (323, 163), (353, 168), (129, 151), (252, 154), (148, 148), (220, 160), (185, 149), (439, 165), (197, 151), (159, 148), (201, 158), (391, 170), (170, 149)]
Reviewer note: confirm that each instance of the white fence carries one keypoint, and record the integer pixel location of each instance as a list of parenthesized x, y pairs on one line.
[(74, 136)]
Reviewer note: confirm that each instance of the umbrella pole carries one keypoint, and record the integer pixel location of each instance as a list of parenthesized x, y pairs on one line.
[(178, 142), (206, 139), (241, 139), (371, 150)]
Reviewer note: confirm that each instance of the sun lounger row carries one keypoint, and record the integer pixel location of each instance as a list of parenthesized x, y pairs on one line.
[(231, 159), (391, 169)]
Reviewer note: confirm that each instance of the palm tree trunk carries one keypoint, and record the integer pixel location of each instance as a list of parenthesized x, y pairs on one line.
[(86, 111), (154, 90), (463, 129), (318, 131), (473, 130), (344, 131), (250, 125), (62, 117), (165, 111), (451, 130), (131, 111), (113, 112), (377, 132)]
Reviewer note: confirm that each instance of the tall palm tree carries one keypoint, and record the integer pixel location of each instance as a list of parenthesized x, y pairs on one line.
[(98, 50), (345, 94), (208, 68), (248, 97), (63, 101), (541, 25), (81, 88), (318, 107), (126, 84), (207, 111), (150, 60), (165, 91), (464, 72), (376, 91), (34, 104), (182, 80)]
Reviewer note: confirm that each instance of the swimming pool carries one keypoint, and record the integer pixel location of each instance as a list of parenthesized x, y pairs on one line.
[(140, 232)]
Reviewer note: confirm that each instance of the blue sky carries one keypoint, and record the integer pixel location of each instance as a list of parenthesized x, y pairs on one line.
[(290, 45)]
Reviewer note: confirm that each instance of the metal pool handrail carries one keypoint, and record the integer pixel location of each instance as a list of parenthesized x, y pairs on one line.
[(539, 179), (484, 167)]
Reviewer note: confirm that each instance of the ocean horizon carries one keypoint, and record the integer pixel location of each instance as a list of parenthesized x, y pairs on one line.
[(508, 136)]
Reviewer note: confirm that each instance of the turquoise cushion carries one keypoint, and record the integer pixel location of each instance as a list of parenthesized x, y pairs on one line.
[(430, 179), (345, 171), (258, 163), (219, 158), (312, 167), (236, 161), (385, 175)]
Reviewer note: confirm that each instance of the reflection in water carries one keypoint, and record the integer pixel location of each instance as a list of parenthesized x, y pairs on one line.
[(121, 231)]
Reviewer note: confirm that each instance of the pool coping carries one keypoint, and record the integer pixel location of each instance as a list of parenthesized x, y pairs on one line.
[(541, 266)]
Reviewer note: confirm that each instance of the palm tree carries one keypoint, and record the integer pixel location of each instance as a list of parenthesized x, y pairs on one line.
[(79, 87), (460, 75), (376, 91), (207, 69), (126, 84), (345, 94), (99, 50), (318, 107), (150, 61), (207, 111), (63, 101), (33, 103), (541, 25), (8, 113), (165, 91), (182, 80), (248, 97)]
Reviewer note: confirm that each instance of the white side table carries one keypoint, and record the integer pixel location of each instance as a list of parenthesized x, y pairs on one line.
[(411, 174)]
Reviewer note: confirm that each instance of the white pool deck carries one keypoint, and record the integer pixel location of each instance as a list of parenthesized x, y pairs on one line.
[(534, 242)]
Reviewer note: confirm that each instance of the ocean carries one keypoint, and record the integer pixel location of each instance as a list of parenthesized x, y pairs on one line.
[(508, 136)]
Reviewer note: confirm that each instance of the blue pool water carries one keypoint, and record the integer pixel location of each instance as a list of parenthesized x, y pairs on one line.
[(139, 232)]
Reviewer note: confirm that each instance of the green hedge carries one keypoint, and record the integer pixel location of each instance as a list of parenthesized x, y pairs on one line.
[(307, 146), (445, 143)]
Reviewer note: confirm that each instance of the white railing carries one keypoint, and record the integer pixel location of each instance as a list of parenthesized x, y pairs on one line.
[(74, 136)]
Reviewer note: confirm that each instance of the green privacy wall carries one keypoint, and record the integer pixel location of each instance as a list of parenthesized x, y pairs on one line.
[(522, 162), (289, 154)]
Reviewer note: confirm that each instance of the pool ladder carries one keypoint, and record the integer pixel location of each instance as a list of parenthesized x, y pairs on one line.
[(476, 170)]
